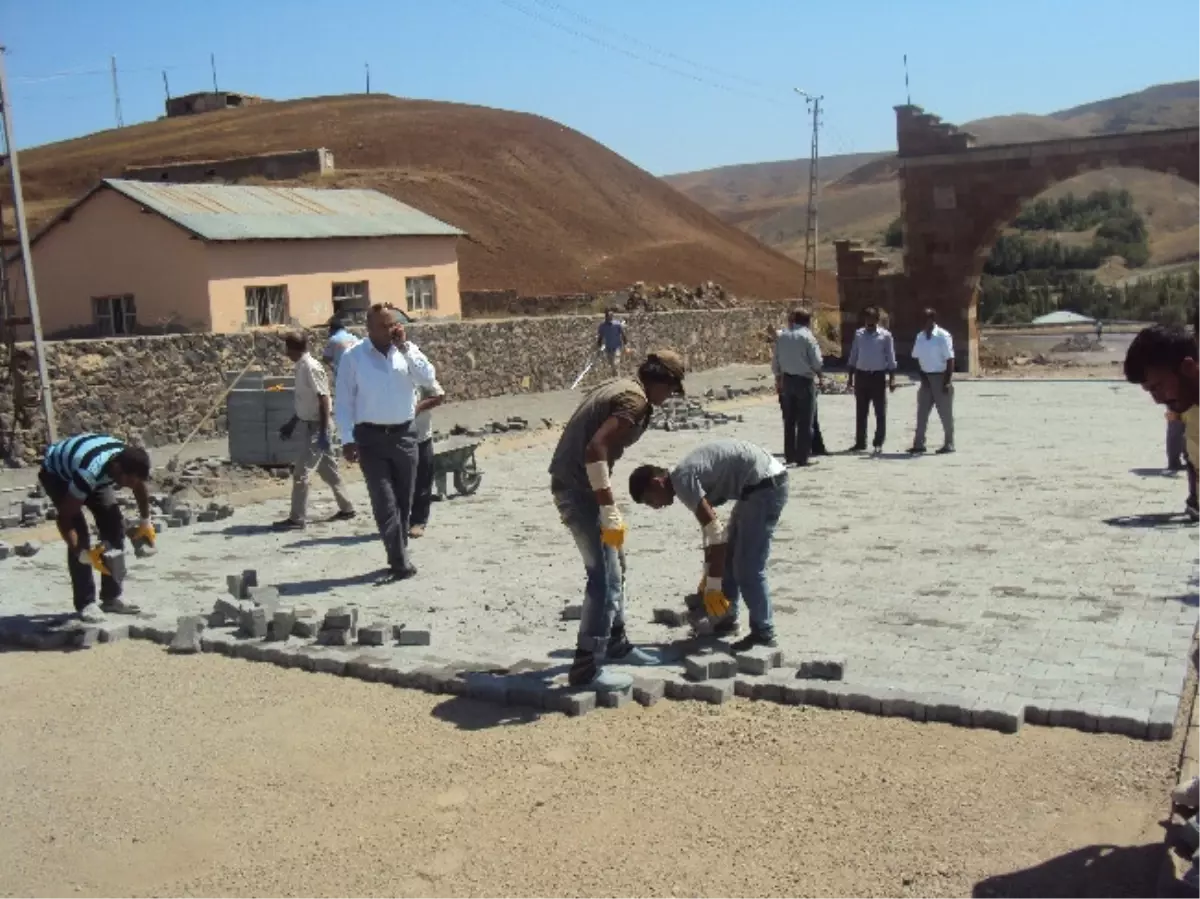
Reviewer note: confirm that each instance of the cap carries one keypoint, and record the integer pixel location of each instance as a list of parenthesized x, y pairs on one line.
[(672, 362)]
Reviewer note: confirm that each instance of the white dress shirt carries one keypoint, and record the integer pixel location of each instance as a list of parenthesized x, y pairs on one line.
[(378, 388), (311, 384), (933, 351)]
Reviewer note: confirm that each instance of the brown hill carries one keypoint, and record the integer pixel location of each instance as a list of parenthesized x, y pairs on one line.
[(547, 209), (860, 201)]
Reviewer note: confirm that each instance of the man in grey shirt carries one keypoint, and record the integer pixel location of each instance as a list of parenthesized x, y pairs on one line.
[(707, 477), (796, 363), (872, 367)]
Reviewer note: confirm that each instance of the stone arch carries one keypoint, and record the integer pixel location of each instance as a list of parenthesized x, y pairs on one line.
[(955, 198)]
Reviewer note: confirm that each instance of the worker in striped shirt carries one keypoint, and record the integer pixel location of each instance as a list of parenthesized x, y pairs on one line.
[(86, 471)]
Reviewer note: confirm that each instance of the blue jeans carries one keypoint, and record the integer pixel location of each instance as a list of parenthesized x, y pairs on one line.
[(751, 526), (604, 596)]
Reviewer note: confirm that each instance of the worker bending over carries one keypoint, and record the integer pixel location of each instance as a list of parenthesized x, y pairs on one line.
[(610, 419), (86, 471), (735, 553)]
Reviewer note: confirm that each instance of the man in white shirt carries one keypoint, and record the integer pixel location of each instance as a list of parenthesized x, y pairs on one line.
[(339, 341), (933, 350), (314, 420), (375, 406), (427, 398)]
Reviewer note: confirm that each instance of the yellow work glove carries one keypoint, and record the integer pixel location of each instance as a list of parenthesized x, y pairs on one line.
[(95, 558), (715, 602), (145, 531), (612, 528)]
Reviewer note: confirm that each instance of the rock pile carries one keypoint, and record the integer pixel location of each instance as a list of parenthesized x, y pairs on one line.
[(688, 414), (512, 423), (1079, 343), (660, 298)]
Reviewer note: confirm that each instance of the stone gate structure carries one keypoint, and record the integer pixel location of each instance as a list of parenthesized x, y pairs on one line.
[(954, 200)]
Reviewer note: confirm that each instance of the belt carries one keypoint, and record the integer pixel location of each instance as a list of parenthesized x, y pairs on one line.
[(807, 377), (765, 484), (384, 429)]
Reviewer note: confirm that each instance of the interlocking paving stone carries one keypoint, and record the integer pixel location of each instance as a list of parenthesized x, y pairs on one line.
[(647, 691)]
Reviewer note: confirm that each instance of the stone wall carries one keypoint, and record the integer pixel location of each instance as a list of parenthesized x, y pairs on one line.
[(157, 389), (273, 166)]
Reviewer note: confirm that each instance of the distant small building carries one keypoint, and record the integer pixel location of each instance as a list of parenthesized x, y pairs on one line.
[(209, 101), (135, 257), (1063, 317)]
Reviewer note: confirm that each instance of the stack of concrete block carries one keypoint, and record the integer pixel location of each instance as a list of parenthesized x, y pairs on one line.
[(34, 511), (373, 634), (688, 414), (339, 627)]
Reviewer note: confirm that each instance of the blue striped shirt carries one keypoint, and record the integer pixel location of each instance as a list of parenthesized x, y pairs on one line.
[(81, 462)]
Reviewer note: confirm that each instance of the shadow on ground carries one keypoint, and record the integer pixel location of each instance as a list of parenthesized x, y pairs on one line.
[(471, 714), (40, 633), (1156, 472), (1091, 871), (1150, 520), (324, 585), (340, 540)]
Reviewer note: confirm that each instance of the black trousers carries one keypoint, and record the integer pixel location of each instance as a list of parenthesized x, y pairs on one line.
[(423, 489), (388, 458), (870, 389), (798, 399), (110, 524)]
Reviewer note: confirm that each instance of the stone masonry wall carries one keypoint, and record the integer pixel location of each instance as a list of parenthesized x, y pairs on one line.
[(273, 166), (157, 389)]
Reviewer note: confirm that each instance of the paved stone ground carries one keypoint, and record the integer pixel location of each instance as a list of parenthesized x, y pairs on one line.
[(1039, 566)]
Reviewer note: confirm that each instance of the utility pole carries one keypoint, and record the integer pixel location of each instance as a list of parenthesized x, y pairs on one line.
[(14, 174), (166, 84), (212, 61), (116, 94), (368, 66), (811, 230), (907, 92)]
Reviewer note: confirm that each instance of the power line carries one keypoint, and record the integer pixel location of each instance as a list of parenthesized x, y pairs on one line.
[(624, 51)]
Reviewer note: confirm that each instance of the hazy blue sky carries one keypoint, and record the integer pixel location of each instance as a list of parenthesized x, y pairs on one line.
[(673, 85)]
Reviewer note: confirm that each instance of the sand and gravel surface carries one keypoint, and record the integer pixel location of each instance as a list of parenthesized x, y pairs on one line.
[(125, 771)]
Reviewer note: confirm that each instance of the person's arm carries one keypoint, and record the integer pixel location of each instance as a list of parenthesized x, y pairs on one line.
[(344, 404), (815, 359), (68, 508), (420, 369), (889, 353), (775, 369), (613, 433), (432, 401), (690, 492), (852, 362), (141, 493)]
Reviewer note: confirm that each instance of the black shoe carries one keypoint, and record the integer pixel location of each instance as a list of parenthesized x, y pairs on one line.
[(394, 577), (858, 448), (344, 515), (753, 639), (583, 669), (945, 450), (726, 627), (618, 643), (916, 450), (1192, 513), (288, 525)]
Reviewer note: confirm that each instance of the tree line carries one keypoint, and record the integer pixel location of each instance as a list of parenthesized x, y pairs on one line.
[(1014, 299)]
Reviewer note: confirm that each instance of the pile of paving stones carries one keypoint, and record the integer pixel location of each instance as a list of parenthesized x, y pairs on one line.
[(689, 414), (168, 511), (512, 423)]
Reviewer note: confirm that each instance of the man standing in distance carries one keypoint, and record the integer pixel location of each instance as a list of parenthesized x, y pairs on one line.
[(314, 418), (796, 363), (872, 368), (610, 419), (339, 341), (610, 339), (375, 407), (933, 350)]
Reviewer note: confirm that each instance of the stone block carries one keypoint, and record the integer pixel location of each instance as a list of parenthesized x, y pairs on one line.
[(341, 618), (5, 550), (648, 691), (710, 665), (276, 655), (235, 585), (10, 521), (267, 597), (714, 691), (703, 627), (328, 664), (373, 635), (333, 636), (574, 702), (250, 578), (948, 709), (670, 617), (869, 701), (572, 613), (307, 623), (160, 525), (411, 637), (84, 637), (759, 660), (282, 624), (822, 669), (1038, 712), (527, 692), (1005, 716), (113, 633), (206, 517), (674, 689), (614, 699), (365, 668), (1115, 719), (254, 622), (27, 549), (1160, 724), (187, 635)]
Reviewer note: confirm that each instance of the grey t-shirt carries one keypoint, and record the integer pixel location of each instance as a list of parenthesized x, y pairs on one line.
[(719, 471)]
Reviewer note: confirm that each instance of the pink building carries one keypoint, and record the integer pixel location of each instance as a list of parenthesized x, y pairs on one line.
[(135, 257)]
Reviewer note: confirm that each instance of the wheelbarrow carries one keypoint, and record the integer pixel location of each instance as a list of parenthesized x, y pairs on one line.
[(456, 457)]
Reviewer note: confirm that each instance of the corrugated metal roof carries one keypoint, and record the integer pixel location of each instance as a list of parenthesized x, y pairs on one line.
[(236, 212)]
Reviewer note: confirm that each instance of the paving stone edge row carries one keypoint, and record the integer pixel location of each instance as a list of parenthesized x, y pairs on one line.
[(1000, 713)]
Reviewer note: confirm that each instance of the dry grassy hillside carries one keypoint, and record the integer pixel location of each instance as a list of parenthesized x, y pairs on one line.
[(859, 202), (547, 209)]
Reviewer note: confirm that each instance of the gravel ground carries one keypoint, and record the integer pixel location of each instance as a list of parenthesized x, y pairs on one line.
[(125, 771)]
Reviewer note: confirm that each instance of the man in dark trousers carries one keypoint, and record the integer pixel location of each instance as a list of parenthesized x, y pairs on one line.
[(610, 419), (427, 399), (796, 364), (86, 471), (872, 368), (375, 406)]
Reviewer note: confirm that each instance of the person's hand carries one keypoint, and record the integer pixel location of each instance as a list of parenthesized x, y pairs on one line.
[(95, 558), (400, 337), (145, 531), (612, 528), (716, 604), (289, 428), (892, 386), (350, 452), (323, 442)]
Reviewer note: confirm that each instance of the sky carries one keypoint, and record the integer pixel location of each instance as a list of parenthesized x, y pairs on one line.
[(673, 85)]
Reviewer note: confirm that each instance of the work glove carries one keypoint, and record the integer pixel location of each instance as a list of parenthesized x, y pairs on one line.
[(95, 558), (715, 602), (145, 531), (612, 528), (323, 442)]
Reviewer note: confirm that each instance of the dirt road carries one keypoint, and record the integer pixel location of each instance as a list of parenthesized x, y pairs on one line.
[(130, 772)]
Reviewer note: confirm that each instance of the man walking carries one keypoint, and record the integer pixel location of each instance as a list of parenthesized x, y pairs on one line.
[(933, 350), (610, 419), (86, 471), (610, 339), (796, 363), (375, 407), (313, 417), (872, 368), (427, 399), (735, 555), (339, 341)]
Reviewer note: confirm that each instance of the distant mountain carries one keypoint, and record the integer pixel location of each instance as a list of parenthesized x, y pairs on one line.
[(859, 194)]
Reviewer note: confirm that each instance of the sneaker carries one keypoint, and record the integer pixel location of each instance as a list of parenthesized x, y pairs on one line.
[(117, 606), (344, 515), (394, 577), (417, 530), (91, 613), (753, 639), (917, 450), (635, 655), (288, 524), (585, 673), (945, 450), (726, 627), (858, 448)]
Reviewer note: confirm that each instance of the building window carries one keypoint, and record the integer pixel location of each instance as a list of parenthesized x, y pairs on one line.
[(266, 305), (351, 300), (115, 316), (421, 293)]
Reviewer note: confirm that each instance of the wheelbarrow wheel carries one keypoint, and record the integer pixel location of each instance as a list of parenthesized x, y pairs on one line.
[(467, 478)]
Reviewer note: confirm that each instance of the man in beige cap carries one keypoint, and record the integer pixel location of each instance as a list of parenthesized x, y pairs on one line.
[(610, 419)]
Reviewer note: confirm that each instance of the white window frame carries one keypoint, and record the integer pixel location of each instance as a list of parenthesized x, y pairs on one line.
[(420, 293), (115, 316), (351, 300), (266, 305)]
